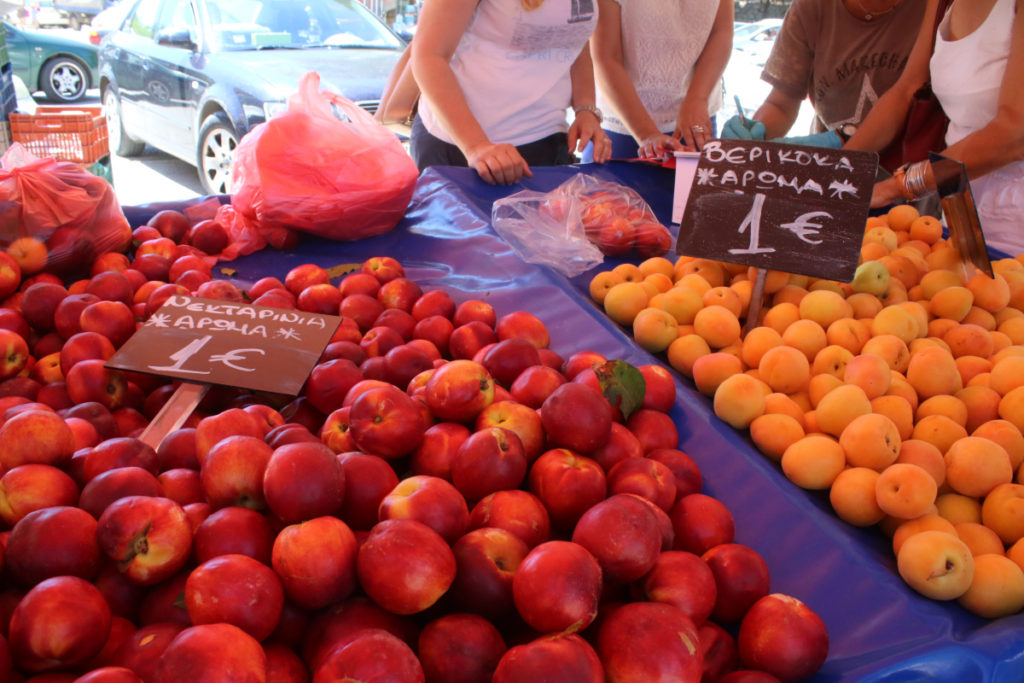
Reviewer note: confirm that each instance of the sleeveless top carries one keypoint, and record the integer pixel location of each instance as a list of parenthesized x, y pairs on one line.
[(966, 77), (513, 67), (661, 42)]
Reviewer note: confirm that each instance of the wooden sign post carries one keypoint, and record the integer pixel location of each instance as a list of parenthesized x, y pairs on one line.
[(207, 341), (781, 207)]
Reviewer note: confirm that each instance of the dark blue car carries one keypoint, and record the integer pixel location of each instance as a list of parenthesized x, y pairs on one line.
[(191, 77)]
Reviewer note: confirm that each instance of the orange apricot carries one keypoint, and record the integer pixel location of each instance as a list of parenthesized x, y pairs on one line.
[(897, 409), (905, 491), (975, 466), (785, 369), (840, 406), (684, 352), (871, 441), (813, 462)]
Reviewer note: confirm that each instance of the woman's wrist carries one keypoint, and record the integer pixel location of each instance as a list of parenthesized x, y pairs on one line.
[(590, 109), (914, 180)]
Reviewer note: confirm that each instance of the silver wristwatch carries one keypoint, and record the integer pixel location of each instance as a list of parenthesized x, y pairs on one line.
[(592, 109)]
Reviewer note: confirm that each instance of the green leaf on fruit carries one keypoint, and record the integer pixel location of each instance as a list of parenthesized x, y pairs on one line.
[(622, 384)]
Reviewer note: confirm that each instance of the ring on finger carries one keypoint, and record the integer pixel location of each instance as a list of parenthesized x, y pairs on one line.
[(697, 129)]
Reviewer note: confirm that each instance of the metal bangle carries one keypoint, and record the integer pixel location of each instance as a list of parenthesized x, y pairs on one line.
[(915, 179), (900, 176)]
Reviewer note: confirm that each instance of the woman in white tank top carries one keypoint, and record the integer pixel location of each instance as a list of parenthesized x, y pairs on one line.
[(976, 68)]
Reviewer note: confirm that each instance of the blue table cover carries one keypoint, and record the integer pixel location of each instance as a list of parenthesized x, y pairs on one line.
[(879, 628)]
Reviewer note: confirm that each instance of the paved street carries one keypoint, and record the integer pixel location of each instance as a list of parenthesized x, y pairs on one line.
[(151, 177)]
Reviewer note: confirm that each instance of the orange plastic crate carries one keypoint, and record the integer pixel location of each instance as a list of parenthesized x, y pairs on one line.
[(68, 134)]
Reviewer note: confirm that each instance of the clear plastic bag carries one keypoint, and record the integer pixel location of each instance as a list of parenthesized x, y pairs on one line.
[(545, 228), (573, 227)]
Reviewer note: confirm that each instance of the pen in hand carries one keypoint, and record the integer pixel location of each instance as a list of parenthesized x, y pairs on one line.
[(739, 110)]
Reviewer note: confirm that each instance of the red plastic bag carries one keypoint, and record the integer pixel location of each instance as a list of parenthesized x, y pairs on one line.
[(74, 213), (324, 167)]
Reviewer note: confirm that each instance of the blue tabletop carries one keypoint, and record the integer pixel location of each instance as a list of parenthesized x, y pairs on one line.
[(879, 628)]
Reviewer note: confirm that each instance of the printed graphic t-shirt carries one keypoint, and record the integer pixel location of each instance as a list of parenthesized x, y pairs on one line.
[(513, 67), (842, 63)]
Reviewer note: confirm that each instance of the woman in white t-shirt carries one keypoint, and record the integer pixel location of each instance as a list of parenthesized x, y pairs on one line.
[(497, 78), (659, 66)]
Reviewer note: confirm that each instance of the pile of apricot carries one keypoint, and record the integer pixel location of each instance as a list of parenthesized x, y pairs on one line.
[(904, 404)]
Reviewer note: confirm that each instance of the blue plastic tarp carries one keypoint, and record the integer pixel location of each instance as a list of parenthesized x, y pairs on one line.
[(879, 628)]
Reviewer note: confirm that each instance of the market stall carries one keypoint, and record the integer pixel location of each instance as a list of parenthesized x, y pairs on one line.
[(880, 630)]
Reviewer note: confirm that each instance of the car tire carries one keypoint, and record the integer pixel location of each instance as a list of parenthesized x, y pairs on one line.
[(73, 22), (120, 142), (217, 142), (64, 79)]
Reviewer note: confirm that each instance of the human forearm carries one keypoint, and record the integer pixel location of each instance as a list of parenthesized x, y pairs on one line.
[(581, 74), (711, 63), (620, 92), (776, 117), (999, 143), (586, 125), (694, 112), (444, 94), (883, 123)]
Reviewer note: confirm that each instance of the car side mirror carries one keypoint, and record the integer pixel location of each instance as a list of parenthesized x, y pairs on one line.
[(176, 36)]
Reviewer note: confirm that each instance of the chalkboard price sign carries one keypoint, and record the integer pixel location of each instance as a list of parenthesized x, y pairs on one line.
[(780, 207), (217, 342)]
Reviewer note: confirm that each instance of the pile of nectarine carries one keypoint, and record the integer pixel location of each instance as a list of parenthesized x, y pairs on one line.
[(448, 499), (614, 217), (900, 393)]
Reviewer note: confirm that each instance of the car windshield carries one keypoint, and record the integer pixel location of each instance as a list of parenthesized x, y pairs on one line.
[(292, 24), (747, 30)]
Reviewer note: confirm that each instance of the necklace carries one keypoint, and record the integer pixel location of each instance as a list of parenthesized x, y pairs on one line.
[(871, 16)]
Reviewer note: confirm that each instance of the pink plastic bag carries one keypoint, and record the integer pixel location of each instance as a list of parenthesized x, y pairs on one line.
[(324, 167)]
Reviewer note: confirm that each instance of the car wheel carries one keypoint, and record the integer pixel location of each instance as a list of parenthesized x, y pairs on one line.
[(120, 142), (64, 79), (217, 142)]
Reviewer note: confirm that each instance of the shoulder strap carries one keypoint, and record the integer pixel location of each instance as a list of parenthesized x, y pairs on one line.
[(940, 12)]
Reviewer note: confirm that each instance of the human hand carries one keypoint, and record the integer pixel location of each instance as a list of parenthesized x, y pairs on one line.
[(658, 146), (693, 125), (828, 139), (586, 128), (498, 164), (735, 130), (886, 192)]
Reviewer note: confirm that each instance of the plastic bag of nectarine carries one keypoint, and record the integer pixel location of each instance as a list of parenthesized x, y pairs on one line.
[(323, 167), (545, 228), (581, 213), (55, 215)]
